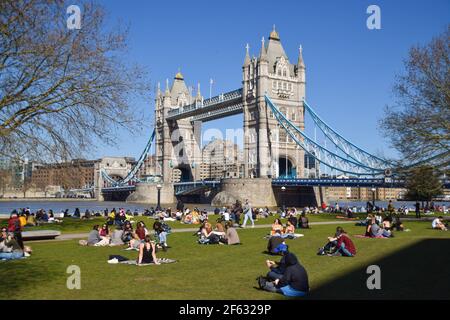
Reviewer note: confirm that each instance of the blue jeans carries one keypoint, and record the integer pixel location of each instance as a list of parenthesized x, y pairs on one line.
[(247, 216), (342, 250), (163, 237), (10, 255), (288, 291)]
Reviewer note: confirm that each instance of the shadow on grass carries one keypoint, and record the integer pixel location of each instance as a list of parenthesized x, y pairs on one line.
[(20, 275), (419, 271)]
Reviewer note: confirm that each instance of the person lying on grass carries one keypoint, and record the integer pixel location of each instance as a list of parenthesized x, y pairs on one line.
[(438, 224), (147, 252), (293, 282)]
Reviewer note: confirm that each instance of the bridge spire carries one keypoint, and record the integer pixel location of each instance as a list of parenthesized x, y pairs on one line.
[(199, 95), (247, 55), (167, 92), (263, 54), (300, 63)]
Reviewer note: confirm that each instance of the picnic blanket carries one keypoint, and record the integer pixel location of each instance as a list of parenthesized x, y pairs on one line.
[(364, 236), (160, 260), (295, 236)]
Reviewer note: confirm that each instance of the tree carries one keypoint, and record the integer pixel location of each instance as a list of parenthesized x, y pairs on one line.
[(61, 90), (423, 183), (418, 125)]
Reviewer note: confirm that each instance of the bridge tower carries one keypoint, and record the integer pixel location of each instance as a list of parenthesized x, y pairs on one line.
[(177, 142), (268, 150)]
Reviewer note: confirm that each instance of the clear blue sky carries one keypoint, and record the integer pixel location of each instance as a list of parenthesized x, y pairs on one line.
[(350, 69)]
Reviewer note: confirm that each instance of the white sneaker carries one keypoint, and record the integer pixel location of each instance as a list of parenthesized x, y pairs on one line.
[(113, 261)]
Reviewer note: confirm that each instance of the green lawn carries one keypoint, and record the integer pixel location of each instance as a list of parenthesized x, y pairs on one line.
[(413, 265)]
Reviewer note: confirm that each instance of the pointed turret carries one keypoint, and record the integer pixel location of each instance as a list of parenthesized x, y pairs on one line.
[(263, 53), (247, 55), (167, 92), (300, 63), (275, 49), (199, 95)]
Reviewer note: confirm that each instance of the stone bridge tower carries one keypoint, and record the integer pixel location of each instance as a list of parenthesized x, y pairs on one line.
[(177, 142), (268, 150)]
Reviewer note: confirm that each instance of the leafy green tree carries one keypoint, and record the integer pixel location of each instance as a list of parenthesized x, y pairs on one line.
[(423, 183), (418, 123)]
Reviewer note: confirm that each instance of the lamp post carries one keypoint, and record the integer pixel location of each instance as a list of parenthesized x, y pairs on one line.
[(373, 197), (283, 189), (158, 206)]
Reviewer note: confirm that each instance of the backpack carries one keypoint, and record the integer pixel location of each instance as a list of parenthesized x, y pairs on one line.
[(214, 239)]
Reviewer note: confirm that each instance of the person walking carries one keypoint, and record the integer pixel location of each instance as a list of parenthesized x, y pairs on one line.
[(417, 209), (248, 214)]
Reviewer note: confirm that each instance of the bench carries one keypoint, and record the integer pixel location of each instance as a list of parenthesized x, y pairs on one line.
[(40, 235)]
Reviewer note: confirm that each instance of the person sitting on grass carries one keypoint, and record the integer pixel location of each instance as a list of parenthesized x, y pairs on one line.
[(31, 221), (116, 237), (344, 245), (128, 233), (274, 242), (376, 231), (293, 283), (289, 231), (93, 237), (139, 235), (147, 252), (103, 234), (161, 230), (277, 268), (397, 223), (10, 248), (303, 222), (277, 225), (438, 224), (231, 235)]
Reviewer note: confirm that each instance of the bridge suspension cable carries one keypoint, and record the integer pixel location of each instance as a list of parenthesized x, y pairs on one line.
[(351, 150), (131, 176), (320, 153)]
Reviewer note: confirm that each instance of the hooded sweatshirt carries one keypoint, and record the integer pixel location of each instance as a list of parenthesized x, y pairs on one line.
[(295, 274)]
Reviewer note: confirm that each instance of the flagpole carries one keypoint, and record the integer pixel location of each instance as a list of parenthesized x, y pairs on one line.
[(210, 88)]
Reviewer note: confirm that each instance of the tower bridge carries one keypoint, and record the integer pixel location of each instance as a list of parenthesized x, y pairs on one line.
[(273, 102)]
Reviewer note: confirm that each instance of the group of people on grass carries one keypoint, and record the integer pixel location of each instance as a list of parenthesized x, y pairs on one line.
[(11, 243), (222, 233), (125, 234)]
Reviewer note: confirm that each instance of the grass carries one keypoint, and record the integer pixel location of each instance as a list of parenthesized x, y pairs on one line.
[(414, 265)]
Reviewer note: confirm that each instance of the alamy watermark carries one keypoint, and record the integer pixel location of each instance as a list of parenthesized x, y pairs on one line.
[(374, 20), (74, 20), (374, 280), (74, 280)]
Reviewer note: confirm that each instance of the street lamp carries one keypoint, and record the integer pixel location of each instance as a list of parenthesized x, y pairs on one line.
[(158, 206), (283, 189)]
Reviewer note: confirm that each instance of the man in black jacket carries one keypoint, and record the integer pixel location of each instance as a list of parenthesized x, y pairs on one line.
[(293, 283)]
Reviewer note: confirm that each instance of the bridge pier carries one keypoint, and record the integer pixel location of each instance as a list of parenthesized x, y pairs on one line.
[(148, 193), (258, 191)]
